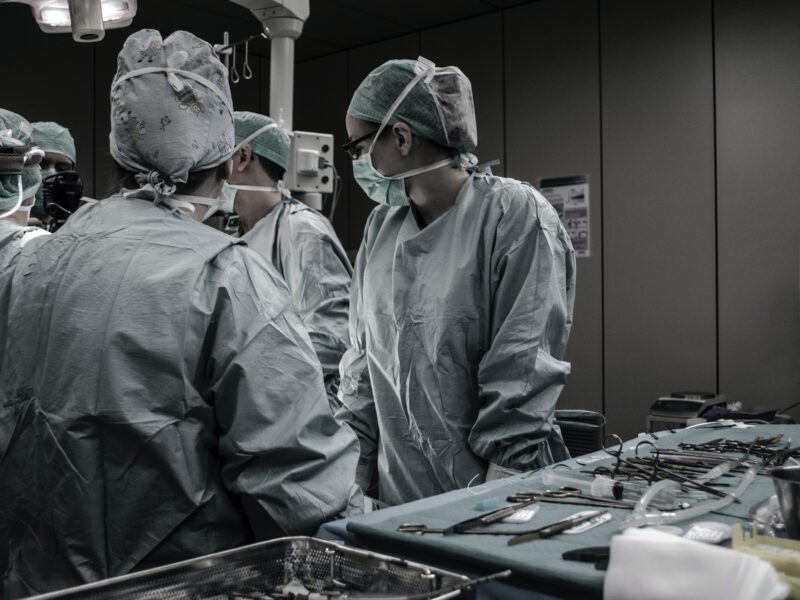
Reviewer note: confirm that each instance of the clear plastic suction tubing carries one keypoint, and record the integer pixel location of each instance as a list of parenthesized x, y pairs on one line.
[(600, 486), (641, 517)]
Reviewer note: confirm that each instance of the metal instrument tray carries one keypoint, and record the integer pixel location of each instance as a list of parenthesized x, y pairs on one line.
[(292, 567)]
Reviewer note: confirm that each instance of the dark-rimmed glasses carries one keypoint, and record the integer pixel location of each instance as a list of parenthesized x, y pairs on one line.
[(350, 147)]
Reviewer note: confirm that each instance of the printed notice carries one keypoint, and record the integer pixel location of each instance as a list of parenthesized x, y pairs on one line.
[(570, 197)]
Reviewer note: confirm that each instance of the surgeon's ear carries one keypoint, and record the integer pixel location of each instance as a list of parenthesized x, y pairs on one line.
[(402, 138), (243, 155)]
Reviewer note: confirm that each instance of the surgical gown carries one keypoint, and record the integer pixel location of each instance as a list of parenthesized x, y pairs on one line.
[(457, 333), (301, 244), (13, 238), (154, 374)]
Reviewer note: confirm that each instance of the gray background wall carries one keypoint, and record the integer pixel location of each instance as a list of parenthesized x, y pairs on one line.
[(684, 114)]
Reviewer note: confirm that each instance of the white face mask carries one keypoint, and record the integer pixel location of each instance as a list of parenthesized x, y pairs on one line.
[(229, 191), (224, 202)]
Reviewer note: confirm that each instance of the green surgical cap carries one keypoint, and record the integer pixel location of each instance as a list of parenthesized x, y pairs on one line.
[(52, 137), (272, 144), (16, 131), (439, 107)]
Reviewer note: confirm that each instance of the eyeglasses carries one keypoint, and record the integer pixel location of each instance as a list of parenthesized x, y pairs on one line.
[(350, 147)]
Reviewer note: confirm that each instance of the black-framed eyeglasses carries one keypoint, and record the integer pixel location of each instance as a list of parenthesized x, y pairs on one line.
[(350, 147)]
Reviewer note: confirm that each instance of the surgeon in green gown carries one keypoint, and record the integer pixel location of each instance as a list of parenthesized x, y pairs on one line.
[(299, 241), (155, 376), (462, 297)]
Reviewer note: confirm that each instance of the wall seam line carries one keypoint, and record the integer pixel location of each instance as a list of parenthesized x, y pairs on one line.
[(602, 213)]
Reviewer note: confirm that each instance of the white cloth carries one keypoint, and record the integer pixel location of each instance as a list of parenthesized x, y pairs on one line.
[(30, 234), (651, 564)]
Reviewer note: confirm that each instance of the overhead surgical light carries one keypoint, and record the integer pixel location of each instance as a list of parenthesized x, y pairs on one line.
[(86, 19)]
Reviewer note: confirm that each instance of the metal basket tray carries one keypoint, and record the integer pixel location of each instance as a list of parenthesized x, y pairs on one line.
[(294, 567)]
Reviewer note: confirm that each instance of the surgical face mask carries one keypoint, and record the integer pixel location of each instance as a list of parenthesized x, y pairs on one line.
[(230, 189), (388, 190), (391, 189), (227, 196), (224, 201), (22, 155)]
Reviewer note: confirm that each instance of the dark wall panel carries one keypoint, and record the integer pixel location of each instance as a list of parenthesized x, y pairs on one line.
[(553, 129), (106, 52), (658, 203), (758, 128)]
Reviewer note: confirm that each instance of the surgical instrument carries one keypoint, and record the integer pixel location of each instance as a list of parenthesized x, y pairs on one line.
[(572, 496), (468, 525), (554, 528), (488, 518), (658, 472), (421, 528)]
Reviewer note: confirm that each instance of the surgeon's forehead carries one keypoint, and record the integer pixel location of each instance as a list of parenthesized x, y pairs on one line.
[(357, 128), (52, 159)]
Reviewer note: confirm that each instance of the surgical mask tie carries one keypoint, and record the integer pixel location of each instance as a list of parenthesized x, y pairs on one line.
[(174, 201), (262, 188), (180, 201)]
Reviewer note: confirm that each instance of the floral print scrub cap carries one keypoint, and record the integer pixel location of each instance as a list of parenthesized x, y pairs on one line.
[(171, 109)]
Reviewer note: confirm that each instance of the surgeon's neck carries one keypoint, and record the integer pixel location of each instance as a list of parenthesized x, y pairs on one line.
[(252, 206), (435, 192)]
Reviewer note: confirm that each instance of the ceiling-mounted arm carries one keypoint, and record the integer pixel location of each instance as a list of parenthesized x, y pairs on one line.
[(284, 19)]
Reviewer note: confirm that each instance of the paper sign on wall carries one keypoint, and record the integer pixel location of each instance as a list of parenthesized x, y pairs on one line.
[(570, 197)]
